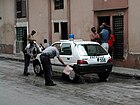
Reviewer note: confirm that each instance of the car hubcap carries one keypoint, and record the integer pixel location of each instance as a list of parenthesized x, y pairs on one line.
[(37, 68), (72, 75)]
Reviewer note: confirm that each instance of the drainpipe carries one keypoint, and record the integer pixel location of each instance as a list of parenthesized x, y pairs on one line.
[(93, 20), (69, 16), (27, 10), (49, 22)]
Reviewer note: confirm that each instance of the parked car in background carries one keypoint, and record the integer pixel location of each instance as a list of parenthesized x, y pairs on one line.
[(84, 57)]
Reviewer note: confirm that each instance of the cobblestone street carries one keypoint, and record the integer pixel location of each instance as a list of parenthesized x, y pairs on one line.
[(118, 90)]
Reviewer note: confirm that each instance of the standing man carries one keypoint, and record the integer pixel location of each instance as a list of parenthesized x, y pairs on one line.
[(104, 35), (47, 54), (29, 52), (30, 37)]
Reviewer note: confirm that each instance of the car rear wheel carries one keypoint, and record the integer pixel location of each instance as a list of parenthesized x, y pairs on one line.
[(103, 76), (71, 78)]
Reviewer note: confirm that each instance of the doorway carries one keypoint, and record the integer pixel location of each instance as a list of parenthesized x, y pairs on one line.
[(64, 30), (118, 31), (103, 19)]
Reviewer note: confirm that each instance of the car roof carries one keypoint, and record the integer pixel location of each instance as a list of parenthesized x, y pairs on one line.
[(77, 41)]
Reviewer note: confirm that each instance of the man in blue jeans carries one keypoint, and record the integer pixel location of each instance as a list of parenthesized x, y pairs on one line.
[(47, 54), (104, 36)]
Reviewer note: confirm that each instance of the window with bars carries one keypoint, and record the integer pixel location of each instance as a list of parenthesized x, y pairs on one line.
[(21, 36), (21, 8), (21, 33), (118, 31), (58, 4)]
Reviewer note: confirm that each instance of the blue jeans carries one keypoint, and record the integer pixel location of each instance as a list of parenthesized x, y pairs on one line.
[(47, 68)]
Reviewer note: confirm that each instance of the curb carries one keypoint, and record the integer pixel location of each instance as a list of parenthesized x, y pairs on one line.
[(14, 59), (126, 75)]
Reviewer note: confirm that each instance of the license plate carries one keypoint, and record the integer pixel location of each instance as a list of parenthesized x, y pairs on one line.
[(101, 59)]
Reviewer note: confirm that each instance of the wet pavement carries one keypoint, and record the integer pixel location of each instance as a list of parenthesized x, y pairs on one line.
[(17, 89)]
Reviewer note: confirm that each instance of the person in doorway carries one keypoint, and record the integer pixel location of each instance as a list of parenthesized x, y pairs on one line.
[(111, 42), (104, 25), (30, 51), (94, 36), (104, 35), (46, 55)]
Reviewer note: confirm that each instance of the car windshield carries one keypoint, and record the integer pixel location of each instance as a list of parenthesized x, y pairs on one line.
[(91, 50)]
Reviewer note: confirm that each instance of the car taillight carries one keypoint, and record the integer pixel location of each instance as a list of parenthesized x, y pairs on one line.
[(110, 60), (81, 62)]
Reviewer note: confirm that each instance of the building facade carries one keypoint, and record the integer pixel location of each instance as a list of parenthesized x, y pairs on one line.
[(56, 19)]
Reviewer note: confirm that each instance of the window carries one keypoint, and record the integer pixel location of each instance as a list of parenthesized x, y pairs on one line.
[(59, 4), (21, 36), (56, 27), (65, 49), (118, 31), (20, 33), (91, 50), (21, 8)]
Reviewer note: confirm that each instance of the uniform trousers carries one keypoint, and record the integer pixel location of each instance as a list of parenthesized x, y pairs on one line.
[(26, 63), (47, 68)]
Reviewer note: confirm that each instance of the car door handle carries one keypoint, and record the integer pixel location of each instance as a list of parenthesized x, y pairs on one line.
[(68, 58)]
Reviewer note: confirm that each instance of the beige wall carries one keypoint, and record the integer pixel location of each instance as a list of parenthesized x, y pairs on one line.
[(81, 18), (7, 22), (109, 4), (134, 26), (58, 16), (38, 19), (1, 20)]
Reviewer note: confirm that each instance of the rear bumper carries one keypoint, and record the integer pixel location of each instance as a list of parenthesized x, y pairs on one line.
[(92, 68)]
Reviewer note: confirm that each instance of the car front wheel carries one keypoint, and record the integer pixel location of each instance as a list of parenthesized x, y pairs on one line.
[(37, 68)]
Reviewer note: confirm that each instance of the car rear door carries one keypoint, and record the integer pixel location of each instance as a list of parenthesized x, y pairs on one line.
[(66, 52)]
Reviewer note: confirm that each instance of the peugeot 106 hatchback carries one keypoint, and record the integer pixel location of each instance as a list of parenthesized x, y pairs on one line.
[(84, 57)]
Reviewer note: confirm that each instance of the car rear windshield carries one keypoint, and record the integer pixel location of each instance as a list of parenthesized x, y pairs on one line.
[(91, 50)]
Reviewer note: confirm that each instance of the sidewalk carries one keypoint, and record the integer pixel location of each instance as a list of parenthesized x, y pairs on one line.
[(116, 70)]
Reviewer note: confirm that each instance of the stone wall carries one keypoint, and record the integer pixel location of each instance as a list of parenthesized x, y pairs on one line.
[(7, 49)]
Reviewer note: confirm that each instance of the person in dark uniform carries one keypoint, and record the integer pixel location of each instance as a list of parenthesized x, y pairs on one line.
[(46, 55), (30, 51)]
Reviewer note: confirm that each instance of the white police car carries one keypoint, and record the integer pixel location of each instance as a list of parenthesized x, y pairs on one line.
[(84, 57)]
